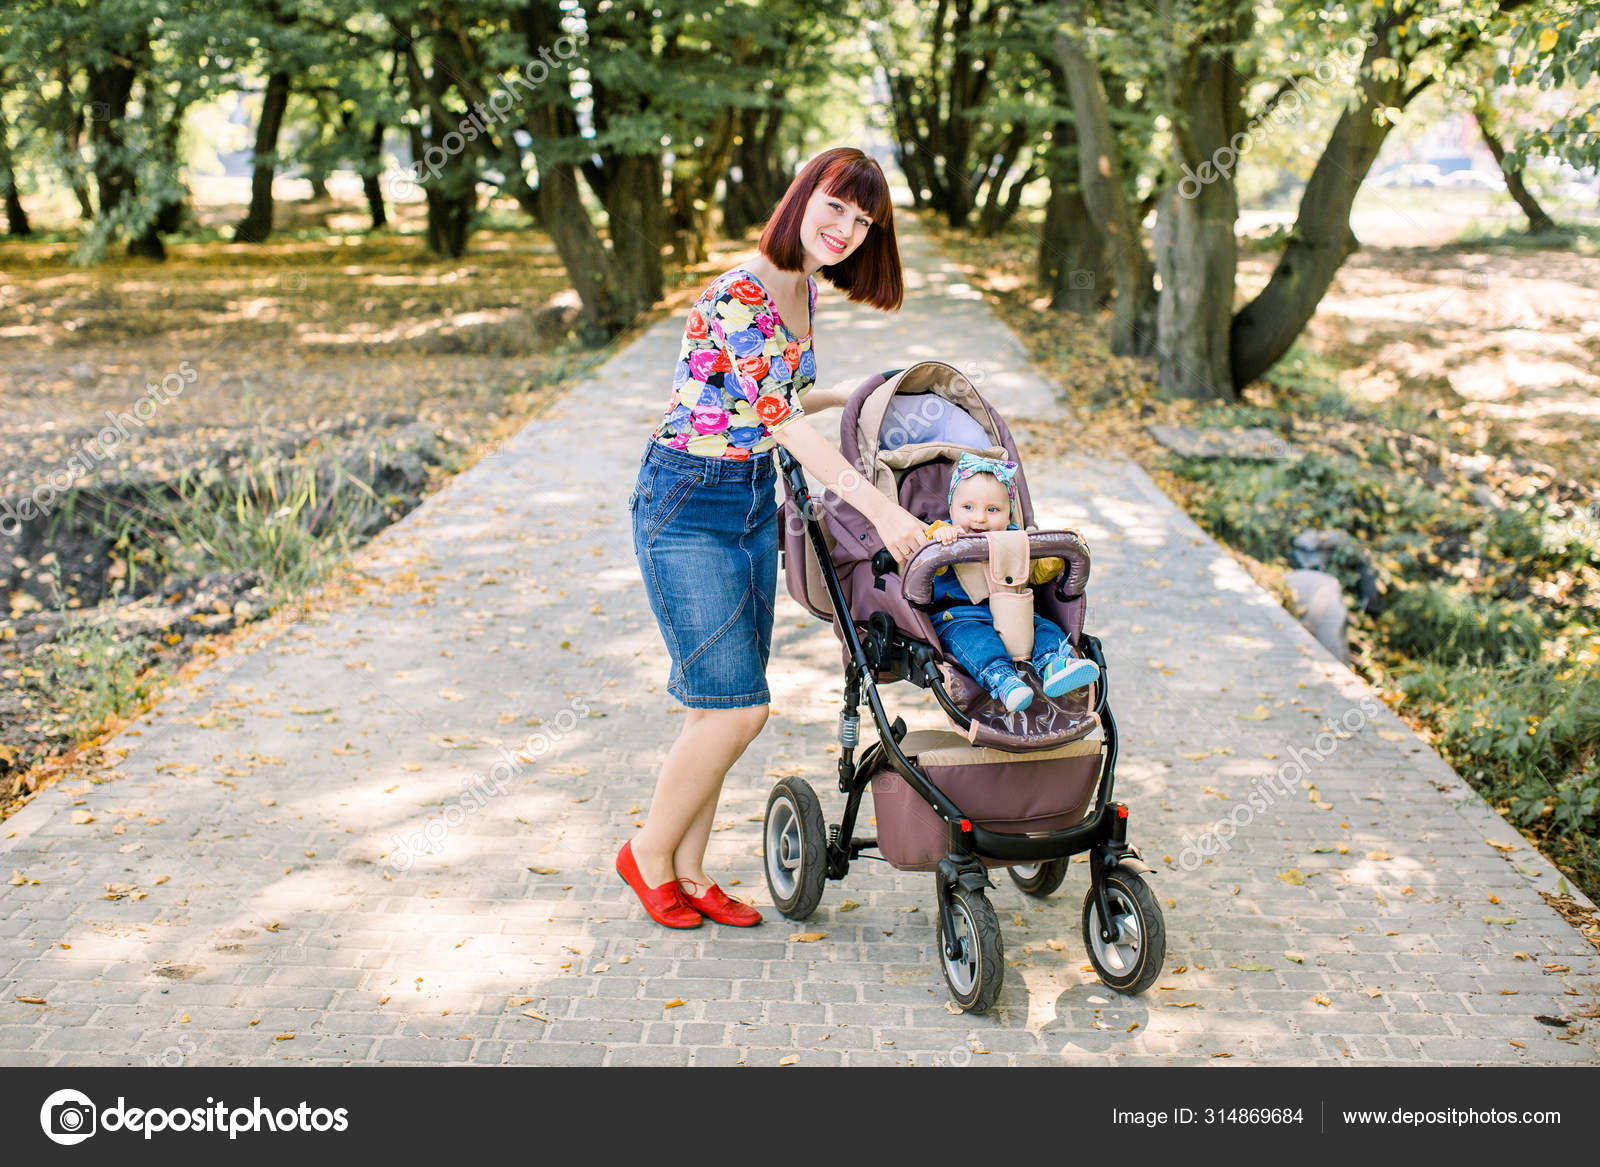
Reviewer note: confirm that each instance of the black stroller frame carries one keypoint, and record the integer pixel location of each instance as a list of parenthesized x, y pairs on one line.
[(1103, 832)]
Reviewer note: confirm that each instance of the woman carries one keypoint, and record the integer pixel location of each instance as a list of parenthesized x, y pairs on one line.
[(705, 510)]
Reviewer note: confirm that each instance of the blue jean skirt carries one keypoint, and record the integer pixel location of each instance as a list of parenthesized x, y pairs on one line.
[(706, 534)]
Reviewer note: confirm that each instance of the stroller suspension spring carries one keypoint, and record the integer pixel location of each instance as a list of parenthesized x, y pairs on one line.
[(849, 730)]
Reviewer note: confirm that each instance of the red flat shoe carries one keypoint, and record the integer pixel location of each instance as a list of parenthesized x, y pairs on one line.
[(665, 903), (718, 905)]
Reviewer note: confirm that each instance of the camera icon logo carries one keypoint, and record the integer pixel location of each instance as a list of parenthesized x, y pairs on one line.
[(68, 1117)]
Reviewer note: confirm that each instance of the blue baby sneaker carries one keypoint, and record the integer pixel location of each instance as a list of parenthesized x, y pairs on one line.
[(1066, 672), (1013, 693)]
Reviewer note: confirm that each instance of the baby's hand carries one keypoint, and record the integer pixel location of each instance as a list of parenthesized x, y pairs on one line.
[(943, 532)]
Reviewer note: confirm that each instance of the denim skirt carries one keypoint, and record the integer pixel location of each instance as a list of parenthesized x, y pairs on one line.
[(705, 531)]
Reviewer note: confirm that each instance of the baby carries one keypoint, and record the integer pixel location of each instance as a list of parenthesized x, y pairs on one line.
[(982, 498)]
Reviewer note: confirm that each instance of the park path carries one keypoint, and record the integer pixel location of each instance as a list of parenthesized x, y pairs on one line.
[(324, 848)]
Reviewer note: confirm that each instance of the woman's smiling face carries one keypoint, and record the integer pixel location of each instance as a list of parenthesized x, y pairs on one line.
[(833, 227)]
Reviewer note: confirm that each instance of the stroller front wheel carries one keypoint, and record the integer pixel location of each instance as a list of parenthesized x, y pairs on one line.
[(975, 973), (795, 848), (1130, 961)]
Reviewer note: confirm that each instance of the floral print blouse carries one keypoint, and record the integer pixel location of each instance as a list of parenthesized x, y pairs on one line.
[(740, 372)]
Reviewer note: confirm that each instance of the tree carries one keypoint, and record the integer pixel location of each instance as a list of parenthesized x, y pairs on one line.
[(1101, 179), (934, 100), (1539, 221), (1196, 252), (1408, 48), (16, 217)]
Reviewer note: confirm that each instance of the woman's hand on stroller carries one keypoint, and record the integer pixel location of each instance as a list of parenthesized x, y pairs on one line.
[(902, 533)]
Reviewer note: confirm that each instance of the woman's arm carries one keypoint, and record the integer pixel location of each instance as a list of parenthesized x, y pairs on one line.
[(815, 399), (901, 531)]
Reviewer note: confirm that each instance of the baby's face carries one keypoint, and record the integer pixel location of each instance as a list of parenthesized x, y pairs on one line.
[(980, 503)]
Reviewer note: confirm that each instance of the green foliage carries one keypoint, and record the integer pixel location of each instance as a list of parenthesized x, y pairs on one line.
[(92, 669), (1447, 623), (1528, 735), (1260, 506), (276, 518), (1557, 46)]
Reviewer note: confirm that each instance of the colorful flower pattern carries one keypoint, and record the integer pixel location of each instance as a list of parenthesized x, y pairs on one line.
[(740, 372)]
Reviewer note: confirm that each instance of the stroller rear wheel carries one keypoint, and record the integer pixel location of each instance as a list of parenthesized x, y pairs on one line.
[(1130, 960), (795, 848), (1040, 879), (977, 970)]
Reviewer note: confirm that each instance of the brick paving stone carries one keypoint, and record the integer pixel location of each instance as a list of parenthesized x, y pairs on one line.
[(464, 663)]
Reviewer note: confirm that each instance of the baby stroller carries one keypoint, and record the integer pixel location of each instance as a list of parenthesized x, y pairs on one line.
[(1025, 790)]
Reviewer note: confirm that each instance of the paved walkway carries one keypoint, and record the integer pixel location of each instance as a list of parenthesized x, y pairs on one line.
[(329, 849)]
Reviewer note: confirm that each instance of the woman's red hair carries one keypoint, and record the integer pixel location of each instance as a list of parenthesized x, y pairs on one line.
[(872, 272)]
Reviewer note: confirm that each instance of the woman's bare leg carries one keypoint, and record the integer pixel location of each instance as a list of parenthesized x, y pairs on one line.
[(685, 801), (688, 861)]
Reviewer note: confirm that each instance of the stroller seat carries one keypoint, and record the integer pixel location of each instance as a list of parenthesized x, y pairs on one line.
[(897, 434)]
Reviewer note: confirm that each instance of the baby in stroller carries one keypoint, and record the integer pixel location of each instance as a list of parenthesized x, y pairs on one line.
[(982, 498)]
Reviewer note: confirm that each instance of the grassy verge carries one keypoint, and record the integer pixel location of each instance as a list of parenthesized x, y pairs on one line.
[(1479, 567), (320, 357)]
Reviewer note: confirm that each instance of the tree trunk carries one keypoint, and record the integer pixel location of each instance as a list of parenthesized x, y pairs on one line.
[(995, 174), (168, 216), (451, 197), (109, 90), (1321, 240), (16, 218), (257, 223), (750, 197), (370, 186), (1539, 222), (1196, 250), (1133, 324), (1013, 199), (694, 181), (609, 299), (69, 116), (636, 214), (1070, 258)]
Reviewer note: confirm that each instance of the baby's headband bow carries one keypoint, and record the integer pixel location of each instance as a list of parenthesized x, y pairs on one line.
[(971, 464)]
